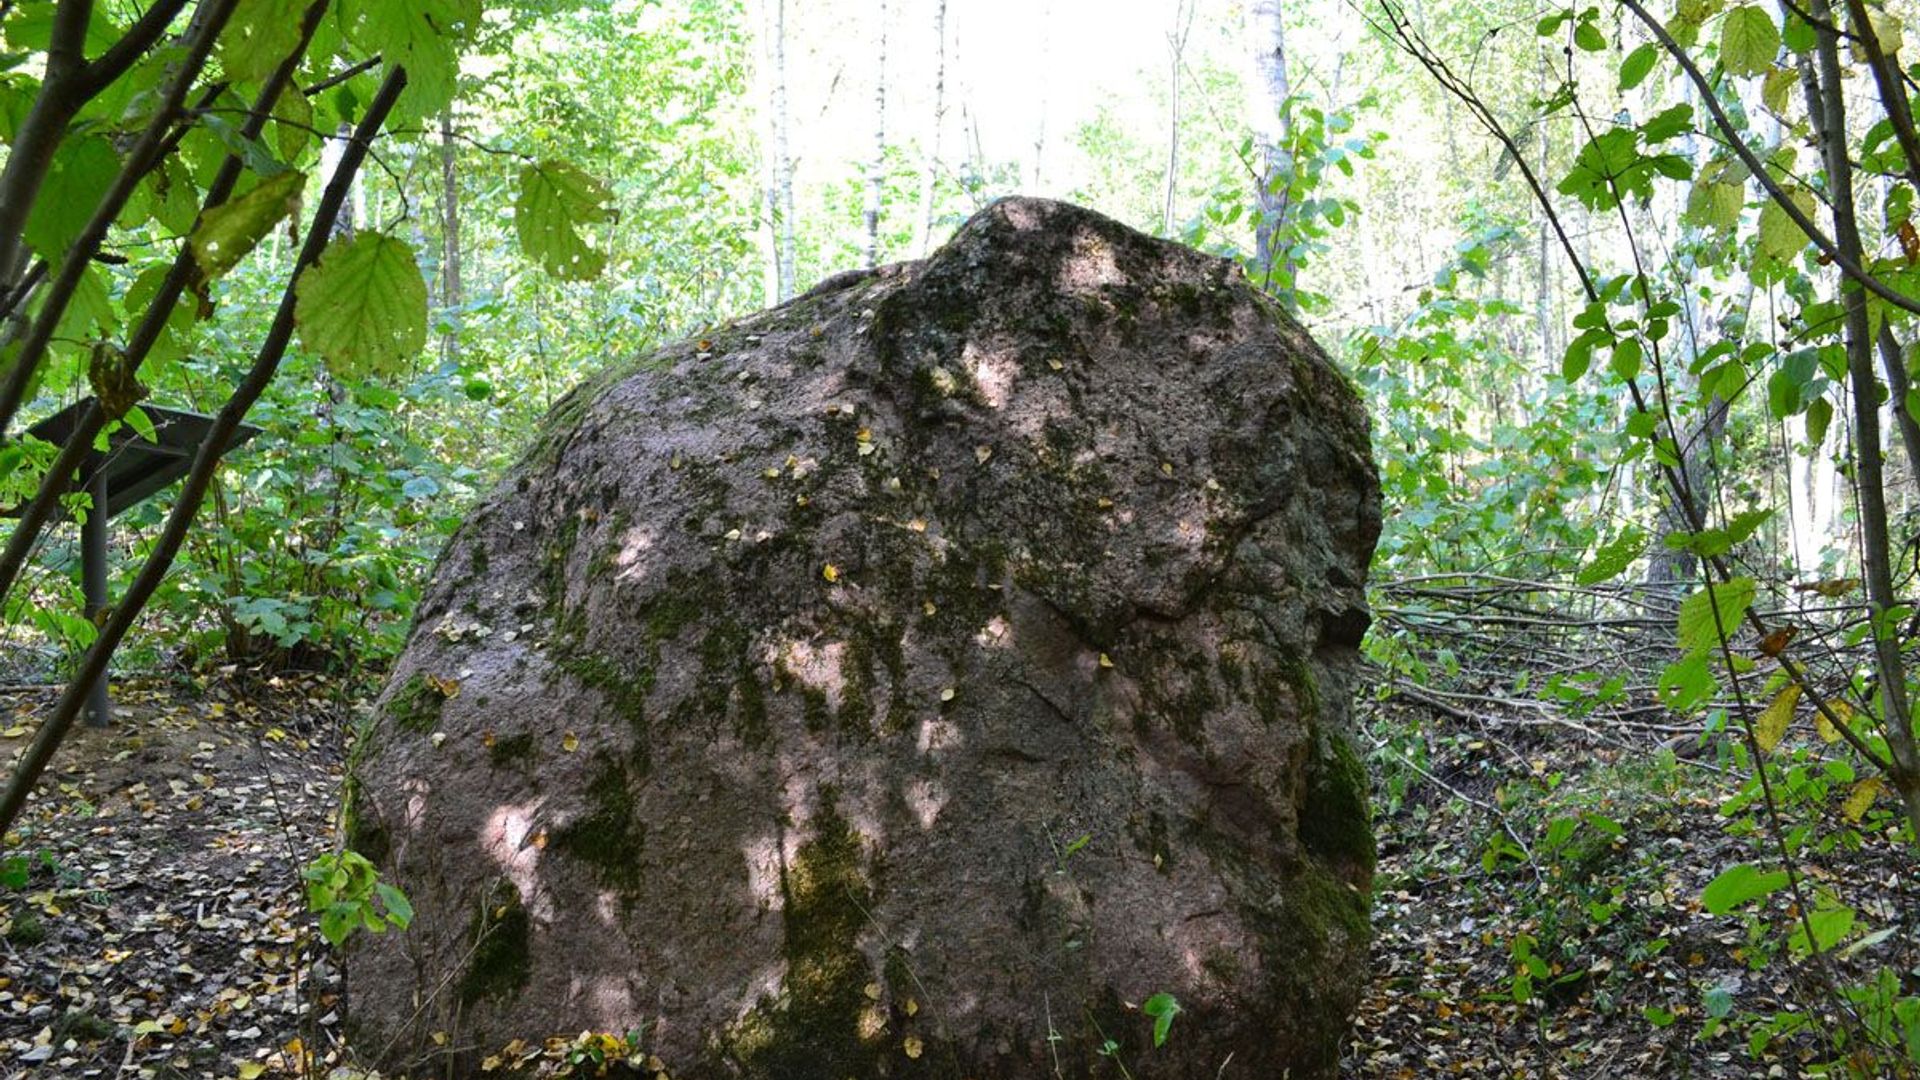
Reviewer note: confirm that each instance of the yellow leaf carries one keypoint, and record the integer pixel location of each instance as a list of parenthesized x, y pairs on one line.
[(1166, 468), (14, 732), (830, 572), (1861, 798), (1832, 589), (251, 1070), (1842, 712), (1106, 661), (570, 742), (1771, 726), (913, 1007), (491, 1064), (912, 1046), (946, 693), (982, 453), (873, 991)]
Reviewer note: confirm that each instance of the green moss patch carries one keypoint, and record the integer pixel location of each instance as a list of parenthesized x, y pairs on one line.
[(502, 951), (823, 1026), (1336, 824), (364, 832), (509, 750), (607, 836), (417, 704)]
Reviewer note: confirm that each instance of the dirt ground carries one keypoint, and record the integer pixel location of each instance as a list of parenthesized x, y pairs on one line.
[(162, 931)]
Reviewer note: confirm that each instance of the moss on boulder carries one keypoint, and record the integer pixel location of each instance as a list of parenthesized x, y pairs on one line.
[(907, 681)]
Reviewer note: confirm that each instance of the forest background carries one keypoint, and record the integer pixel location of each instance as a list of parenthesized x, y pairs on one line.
[(1629, 294)]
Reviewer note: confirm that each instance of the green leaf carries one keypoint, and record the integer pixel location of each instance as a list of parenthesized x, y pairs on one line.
[(1776, 87), (89, 312), (82, 171), (292, 123), (1687, 683), (229, 231), (1608, 159), (1738, 886), (1748, 40), (1588, 37), (1638, 64), (1163, 1008), (423, 36), (1699, 630), (1688, 15), (251, 151), (1780, 237), (337, 921), (1626, 358), (175, 201), (258, 36), (1819, 417), (363, 306), (399, 909), (556, 200), (142, 424), (1831, 923), (1668, 123), (1799, 36), (1578, 358), (1613, 558)]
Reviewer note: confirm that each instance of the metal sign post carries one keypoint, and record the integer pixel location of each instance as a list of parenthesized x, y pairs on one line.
[(93, 579), (129, 471)]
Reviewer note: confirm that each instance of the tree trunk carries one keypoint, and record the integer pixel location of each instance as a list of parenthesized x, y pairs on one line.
[(877, 167), (777, 192), (930, 164), (451, 294), (1863, 388), (1044, 19), (1269, 91), (1176, 45)]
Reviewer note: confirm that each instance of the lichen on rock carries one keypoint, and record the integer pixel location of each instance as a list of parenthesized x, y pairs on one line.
[(906, 681)]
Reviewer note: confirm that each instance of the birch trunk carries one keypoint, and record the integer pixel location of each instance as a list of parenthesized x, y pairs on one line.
[(1268, 92), (876, 167), (930, 163)]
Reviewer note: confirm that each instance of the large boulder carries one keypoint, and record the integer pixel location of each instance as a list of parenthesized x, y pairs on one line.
[(912, 680)]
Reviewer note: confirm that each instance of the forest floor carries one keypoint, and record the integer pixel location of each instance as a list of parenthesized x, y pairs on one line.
[(1631, 977), (161, 931)]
